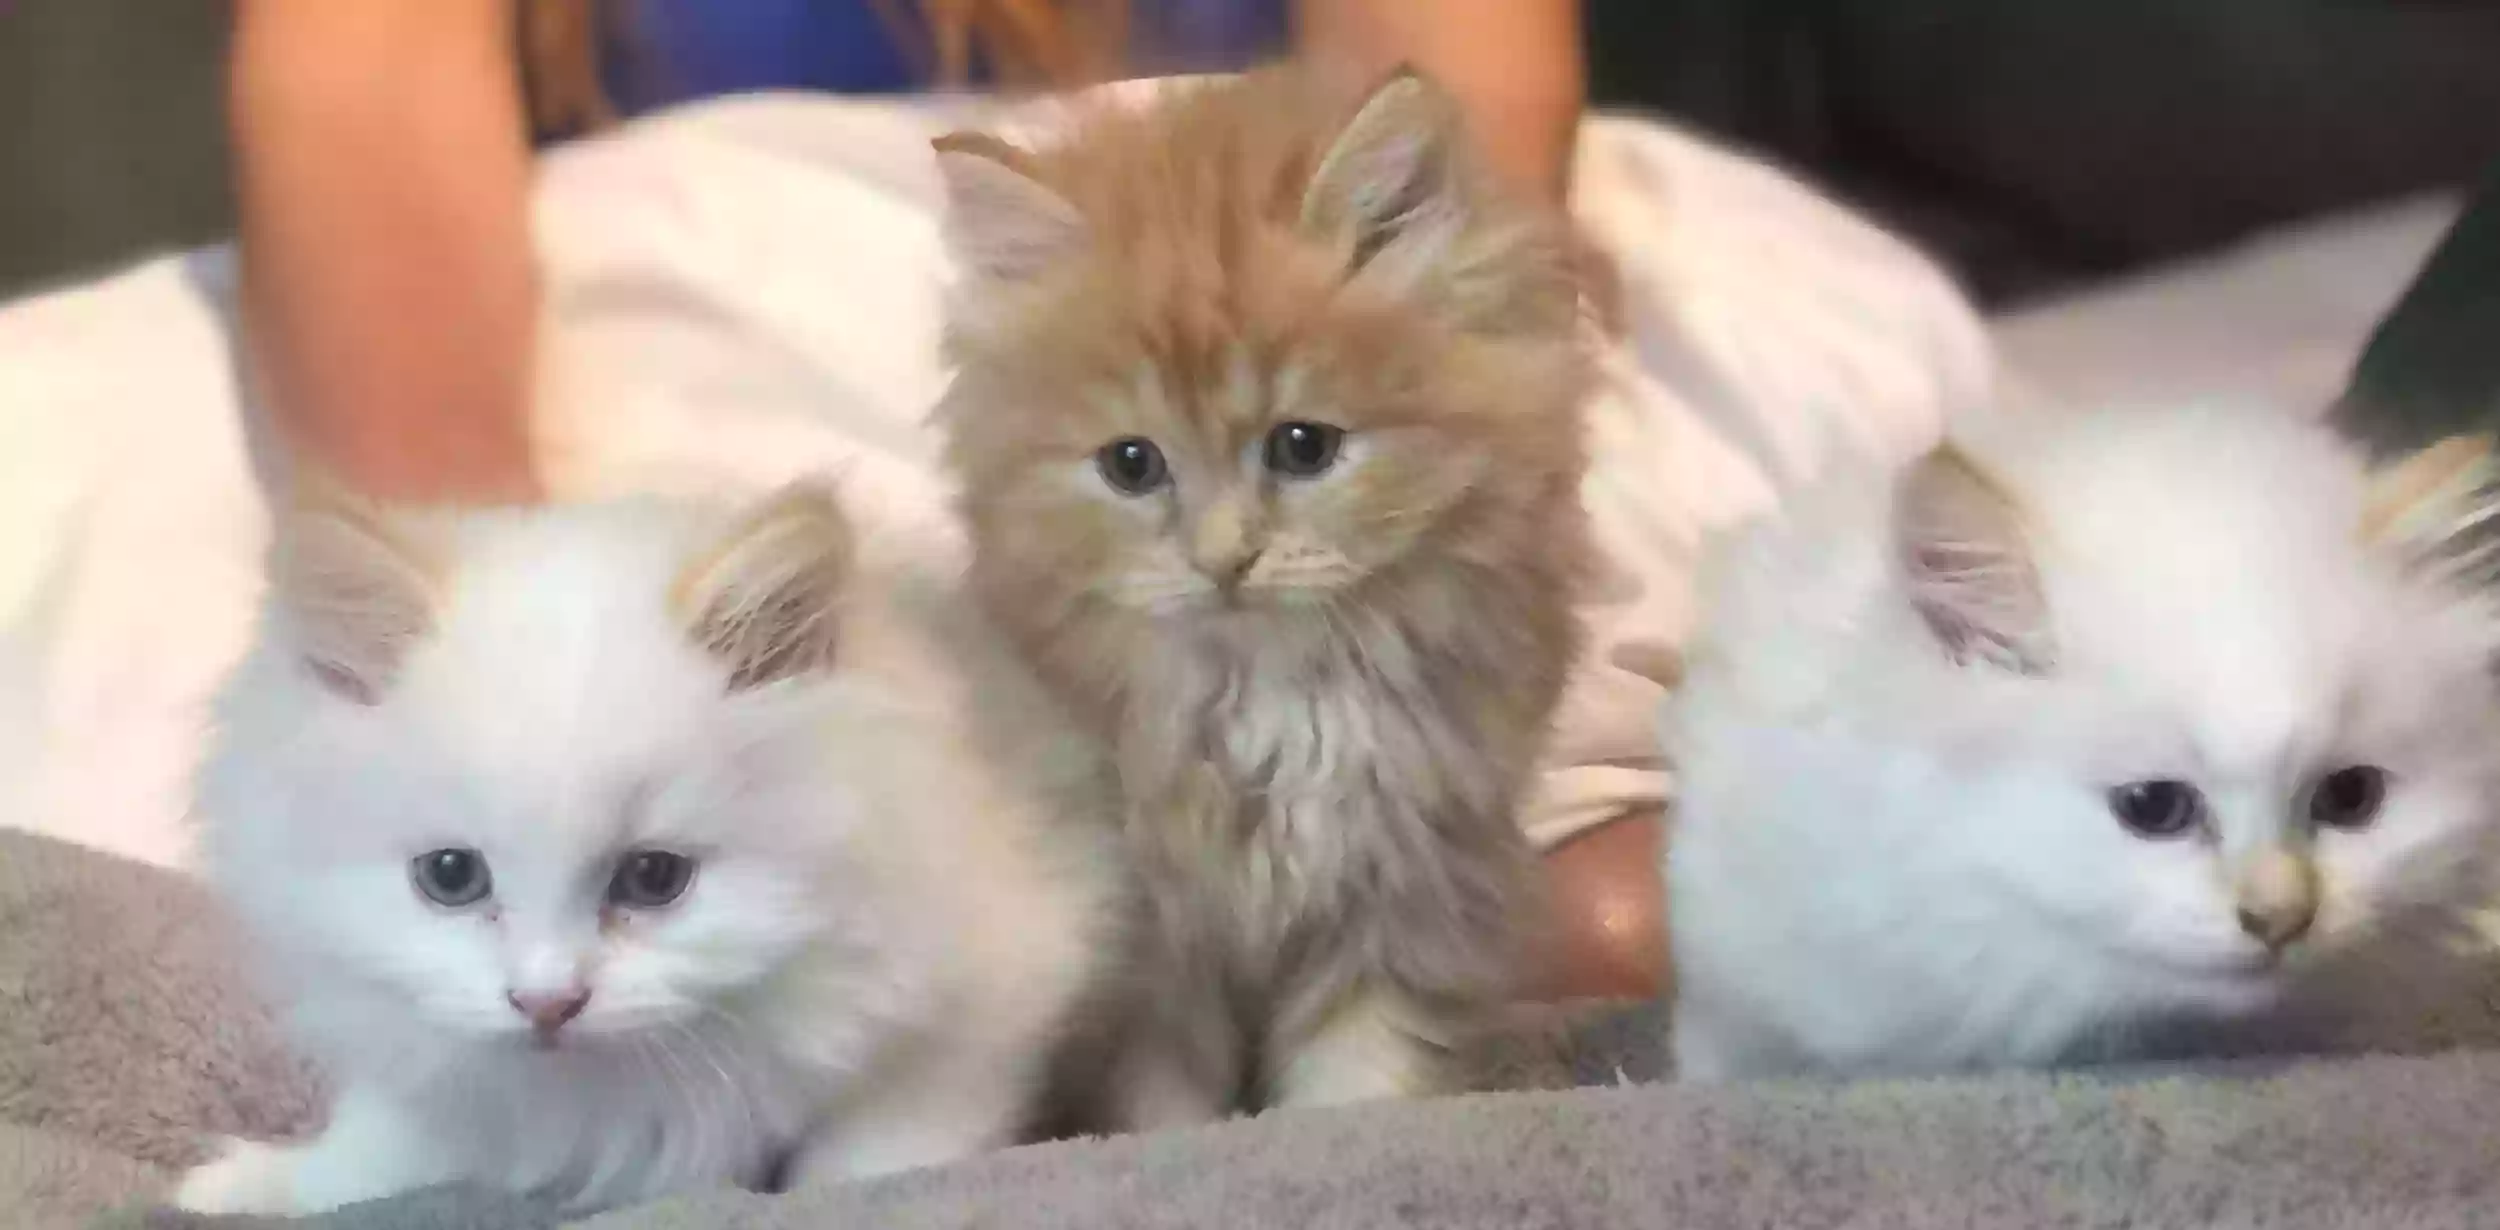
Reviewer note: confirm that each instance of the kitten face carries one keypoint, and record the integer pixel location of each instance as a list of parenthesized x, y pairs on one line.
[(482, 891), (2216, 861), (1275, 482), (1244, 354), (573, 803), (2231, 734)]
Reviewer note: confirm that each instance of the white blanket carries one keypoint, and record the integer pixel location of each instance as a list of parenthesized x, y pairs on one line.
[(747, 290)]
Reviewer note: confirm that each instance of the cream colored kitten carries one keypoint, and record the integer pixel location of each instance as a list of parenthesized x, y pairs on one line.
[(2084, 725), (607, 851), (1266, 413)]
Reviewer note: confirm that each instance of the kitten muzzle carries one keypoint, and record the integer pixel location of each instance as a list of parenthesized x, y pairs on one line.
[(1224, 544), (2278, 898), (548, 1013)]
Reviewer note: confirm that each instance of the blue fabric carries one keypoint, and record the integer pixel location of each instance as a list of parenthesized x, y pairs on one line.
[(676, 50), (1188, 36)]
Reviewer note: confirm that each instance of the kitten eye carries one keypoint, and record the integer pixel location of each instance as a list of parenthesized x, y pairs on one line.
[(451, 877), (2348, 798), (1303, 450), (2157, 808), (1132, 465), (649, 879)]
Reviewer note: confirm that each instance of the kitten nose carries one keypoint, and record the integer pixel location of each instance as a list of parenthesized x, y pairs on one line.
[(1228, 570), (549, 1012), (2274, 929), (2278, 898), (1223, 544)]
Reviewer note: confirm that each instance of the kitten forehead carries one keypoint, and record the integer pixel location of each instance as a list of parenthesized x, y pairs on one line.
[(2206, 582), (1229, 402), (1230, 390), (559, 707), (558, 676), (2210, 561), (1212, 304)]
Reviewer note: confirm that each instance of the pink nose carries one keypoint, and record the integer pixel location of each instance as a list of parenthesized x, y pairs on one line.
[(549, 1013)]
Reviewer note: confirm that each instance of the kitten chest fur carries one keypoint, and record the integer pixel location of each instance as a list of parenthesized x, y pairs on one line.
[(1321, 807)]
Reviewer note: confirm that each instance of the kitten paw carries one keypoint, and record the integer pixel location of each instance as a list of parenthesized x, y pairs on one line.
[(1375, 1049), (1155, 1094), (246, 1176)]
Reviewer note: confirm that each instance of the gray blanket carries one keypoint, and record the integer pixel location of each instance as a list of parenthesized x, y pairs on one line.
[(125, 1037)]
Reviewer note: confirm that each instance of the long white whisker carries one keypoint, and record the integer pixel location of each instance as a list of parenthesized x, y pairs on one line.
[(681, 1084), (723, 1056), (729, 1087)]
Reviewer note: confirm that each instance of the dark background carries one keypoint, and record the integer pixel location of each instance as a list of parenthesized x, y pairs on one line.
[(111, 132), (2034, 144)]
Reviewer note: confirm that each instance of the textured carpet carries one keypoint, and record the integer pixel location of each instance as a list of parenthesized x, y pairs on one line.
[(125, 1037)]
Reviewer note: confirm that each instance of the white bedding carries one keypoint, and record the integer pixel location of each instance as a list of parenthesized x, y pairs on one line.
[(747, 290), (2278, 320)]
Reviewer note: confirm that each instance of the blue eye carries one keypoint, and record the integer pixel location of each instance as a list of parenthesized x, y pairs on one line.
[(2349, 798), (2158, 809), (452, 877), (649, 879)]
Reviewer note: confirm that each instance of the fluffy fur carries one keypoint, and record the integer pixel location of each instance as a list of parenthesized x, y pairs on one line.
[(865, 972), (1898, 848), (1324, 692)]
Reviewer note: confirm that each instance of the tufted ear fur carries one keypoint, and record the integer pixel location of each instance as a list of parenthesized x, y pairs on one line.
[(1967, 565), (359, 590), (1002, 223), (1393, 172), (2438, 507), (764, 599)]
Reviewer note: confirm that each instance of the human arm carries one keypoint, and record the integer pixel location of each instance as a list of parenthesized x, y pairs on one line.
[(1516, 67), (390, 297), (1609, 939)]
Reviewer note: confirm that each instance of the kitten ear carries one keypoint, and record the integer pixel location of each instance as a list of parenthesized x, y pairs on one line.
[(1394, 166), (360, 594), (1963, 554), (763, 600), (2437, 504), (1003, 224)]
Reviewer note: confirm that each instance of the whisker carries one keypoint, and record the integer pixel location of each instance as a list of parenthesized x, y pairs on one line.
[(681, 1084), (734, 1020), (710, 1050)]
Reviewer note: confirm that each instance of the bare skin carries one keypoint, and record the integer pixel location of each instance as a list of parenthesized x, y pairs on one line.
[(392, 299), (1610, 939), (1515, 66), (383, 172)]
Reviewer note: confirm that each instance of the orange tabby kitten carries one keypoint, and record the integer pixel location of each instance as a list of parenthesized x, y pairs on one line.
[(1266, 413)]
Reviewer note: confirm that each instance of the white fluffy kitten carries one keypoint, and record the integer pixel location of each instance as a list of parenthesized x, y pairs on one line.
[(2079, 725), (589, 853)]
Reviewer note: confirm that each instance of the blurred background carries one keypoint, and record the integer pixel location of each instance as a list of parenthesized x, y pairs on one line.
[(2036, 146)]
